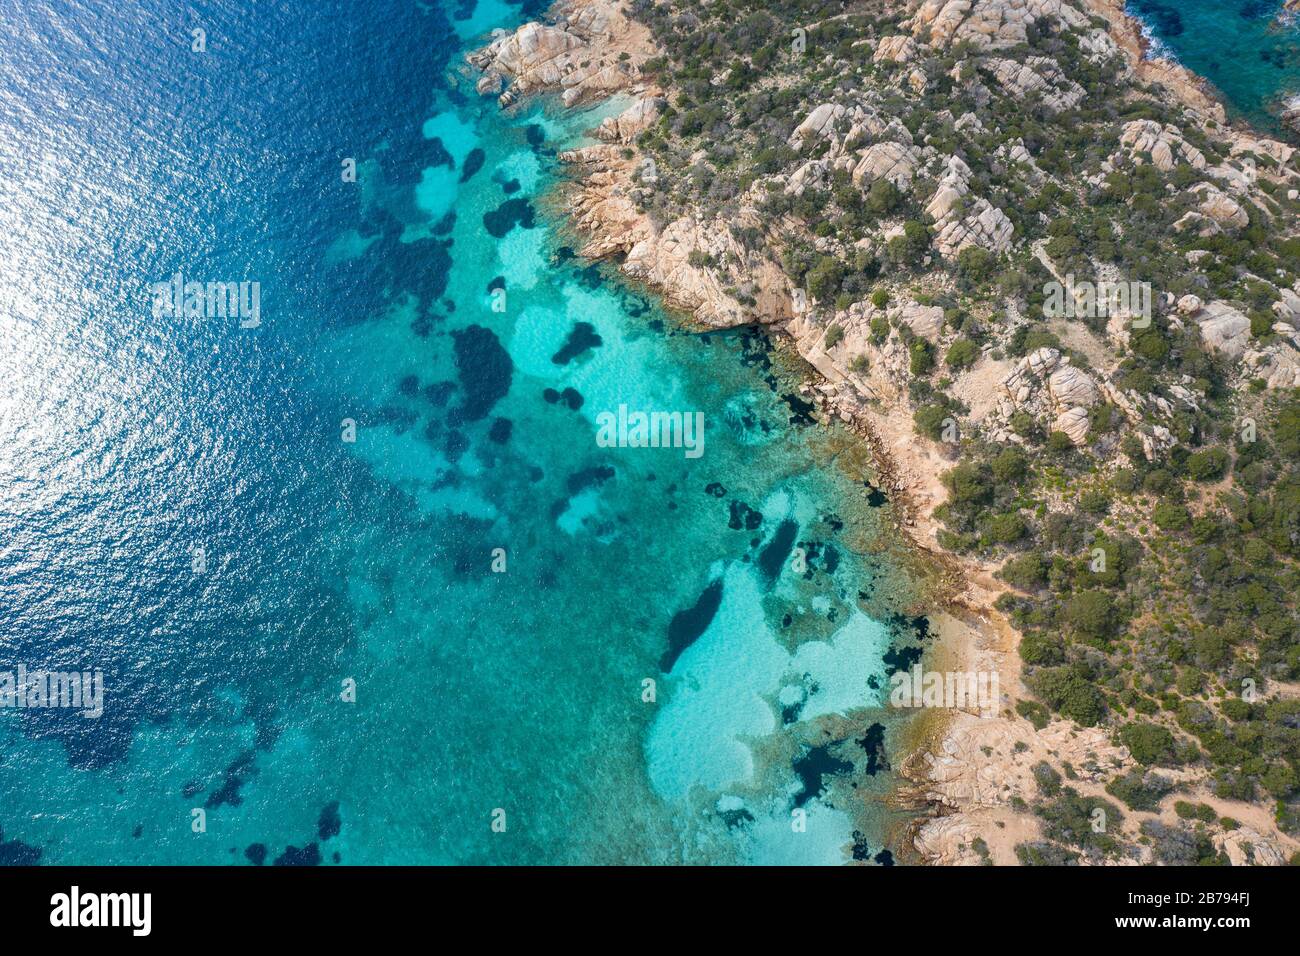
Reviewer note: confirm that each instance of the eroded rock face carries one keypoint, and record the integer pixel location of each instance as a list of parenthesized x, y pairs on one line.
[(1038, 75), (602, 210), (1070, 391), (1164, 144), (1287, 308), (895, 49), (1278, 365), (953, 185), (986, 226), (1016, 154), (946, 200), (1243, 141), (988, 24), (893, 161), (534, 56), (1023, 379), (632, 122), (820, 122), (960, 221), (1219, 207), (1224, 329), (578, 54), (663, 260), (1071, 386), (1074, 422), (811, 174), (925, 320), (982, 764), (1247, 847)]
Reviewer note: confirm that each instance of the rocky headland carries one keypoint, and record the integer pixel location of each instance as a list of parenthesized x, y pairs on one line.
[(916, 178)]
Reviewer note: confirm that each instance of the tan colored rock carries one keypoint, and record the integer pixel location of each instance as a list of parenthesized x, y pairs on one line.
[(948, 841), (978, 764), (1164, 144), (1278, 365), (988, 24), (810, 174), (985, 226), (895, 49), (1074, 422), (1287, 308), (1072, 386), (819, 124), (663, 260), (580, 54), (893, 161), (1037, 75), (632, 122), (1016, 152), (1244, 141), (925, 320), (953, 185), (1247, 847), (601, 208), (1220, 207), (1224, 329), (1202, 225), (945, 200)]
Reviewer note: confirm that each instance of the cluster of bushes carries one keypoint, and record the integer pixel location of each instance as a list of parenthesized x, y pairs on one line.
[(1145, 594)]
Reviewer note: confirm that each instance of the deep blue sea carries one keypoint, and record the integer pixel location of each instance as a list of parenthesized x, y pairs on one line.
[(1240, 46), (362, 584)]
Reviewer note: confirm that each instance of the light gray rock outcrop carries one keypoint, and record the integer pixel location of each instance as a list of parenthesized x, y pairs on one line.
[(1224, 329), (1164, 144)]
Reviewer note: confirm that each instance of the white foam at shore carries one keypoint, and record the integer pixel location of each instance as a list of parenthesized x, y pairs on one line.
[(1156, 48)]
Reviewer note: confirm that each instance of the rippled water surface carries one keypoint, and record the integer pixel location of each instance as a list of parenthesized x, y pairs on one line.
[(1240, 46), (614, 654)]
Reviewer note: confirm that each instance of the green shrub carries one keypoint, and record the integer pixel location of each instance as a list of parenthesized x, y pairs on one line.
[(967, 484), (1069, 692), (1026, 571), (1195, 811), (1092, 613), (930, 420), (824, 279), (1171, 517), (1059, 443), (1034, 712), (922, 357), (1148, 743), (1042, 853), (1006, 528), (1047, 779), (961, 354), (1009, 466), (1140, 791)]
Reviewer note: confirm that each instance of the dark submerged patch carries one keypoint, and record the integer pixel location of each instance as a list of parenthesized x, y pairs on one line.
[(686, 626), (583, 338), (486, 372), (510, 213)]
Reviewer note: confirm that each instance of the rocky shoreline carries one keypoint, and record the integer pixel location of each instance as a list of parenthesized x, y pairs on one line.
[(967, 773)]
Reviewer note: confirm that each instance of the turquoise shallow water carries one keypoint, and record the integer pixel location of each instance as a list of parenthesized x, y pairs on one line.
[(614, 654), (1238, 45)]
